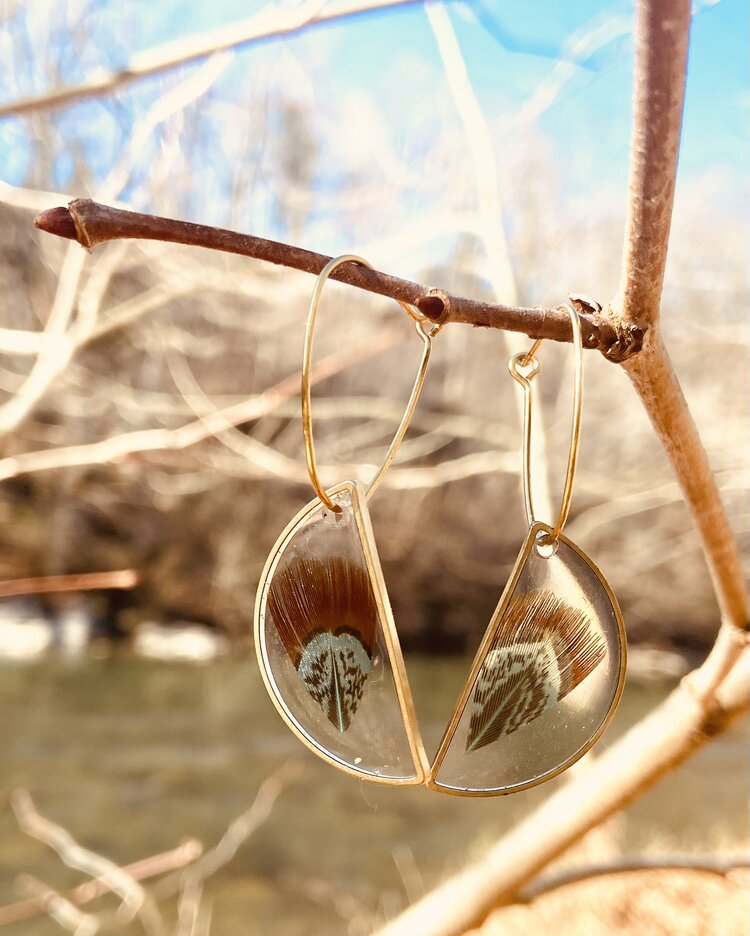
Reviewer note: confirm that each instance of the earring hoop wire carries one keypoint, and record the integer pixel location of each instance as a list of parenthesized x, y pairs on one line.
[(524, 367), (426, 335)]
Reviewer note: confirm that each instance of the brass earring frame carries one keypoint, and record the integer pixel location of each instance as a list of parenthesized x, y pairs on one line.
[(528, 360), (401, 683), (420, 321), (524, 368), (540, 535), (359, 496)]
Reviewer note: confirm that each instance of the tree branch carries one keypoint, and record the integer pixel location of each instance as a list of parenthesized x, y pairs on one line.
[(662, 32), (152, 866), (654, 746), (85, 581), (92, 224), (135, 900), (269, 23)]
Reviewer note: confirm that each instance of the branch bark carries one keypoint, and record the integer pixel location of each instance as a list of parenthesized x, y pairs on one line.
[(85, 581), (663, 30), (92, 224)]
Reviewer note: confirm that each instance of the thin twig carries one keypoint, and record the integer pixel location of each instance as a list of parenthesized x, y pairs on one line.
[(67, 338), (56, 906), (92, 224), (84, 581), (135, 900), (156, 440), (152, 866), (238, 832), (269, 23)]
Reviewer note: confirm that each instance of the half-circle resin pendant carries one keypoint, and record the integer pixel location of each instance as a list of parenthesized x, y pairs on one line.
[(324, 632), (550, 670), (327, 644), (546, 678)]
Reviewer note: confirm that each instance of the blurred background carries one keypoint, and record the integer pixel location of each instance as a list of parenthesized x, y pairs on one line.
[(478, 147)]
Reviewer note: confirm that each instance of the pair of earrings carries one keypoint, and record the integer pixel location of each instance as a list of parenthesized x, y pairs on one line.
[(547, 676)]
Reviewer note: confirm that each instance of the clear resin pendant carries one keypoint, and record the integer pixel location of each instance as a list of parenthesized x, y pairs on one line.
[(546, 679), (328, 648)]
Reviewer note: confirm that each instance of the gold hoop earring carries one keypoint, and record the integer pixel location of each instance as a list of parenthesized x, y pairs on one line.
[(324, 633), (549, 672)]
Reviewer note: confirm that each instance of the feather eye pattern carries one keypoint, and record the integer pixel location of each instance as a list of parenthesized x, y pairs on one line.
[(325, 614), (542, 650)]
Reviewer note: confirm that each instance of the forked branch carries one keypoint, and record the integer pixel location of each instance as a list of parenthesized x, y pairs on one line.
[(663, 29)]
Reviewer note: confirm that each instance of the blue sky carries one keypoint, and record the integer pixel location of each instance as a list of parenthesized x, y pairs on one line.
[(507, 66), (511, 48)]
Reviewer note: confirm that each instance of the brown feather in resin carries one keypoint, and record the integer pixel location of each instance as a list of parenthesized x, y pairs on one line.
[(325, 614), (542, 650)]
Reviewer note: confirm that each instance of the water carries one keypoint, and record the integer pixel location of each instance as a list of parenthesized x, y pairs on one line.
[(134, 756)]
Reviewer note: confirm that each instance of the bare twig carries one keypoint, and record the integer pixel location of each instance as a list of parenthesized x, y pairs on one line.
[(85, 581), (62, 911), (64, 338), (152, 866), (156, 440), (92, 224), (189, 908), (189, 866), (706, 864), (135, 900), (238, 832), (269, 23)]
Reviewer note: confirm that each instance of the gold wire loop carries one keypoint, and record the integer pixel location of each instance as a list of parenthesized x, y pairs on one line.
[(526, 361), (426, 335)]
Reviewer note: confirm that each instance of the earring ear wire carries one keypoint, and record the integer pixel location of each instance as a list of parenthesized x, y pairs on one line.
[(529, 362), (420, 321)]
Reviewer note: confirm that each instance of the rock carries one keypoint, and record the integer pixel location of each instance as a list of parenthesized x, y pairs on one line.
[(181, 641)]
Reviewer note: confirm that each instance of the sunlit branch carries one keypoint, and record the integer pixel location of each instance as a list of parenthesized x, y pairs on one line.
[(85, 581), (92, 224), (662, 33), (152, 866)]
